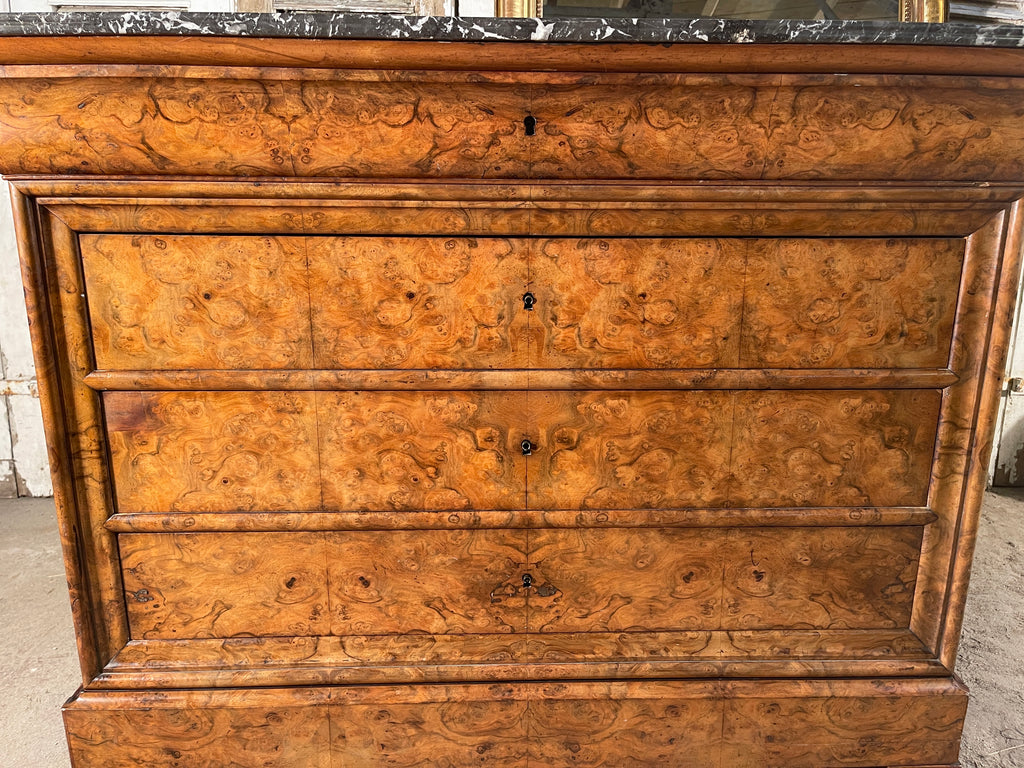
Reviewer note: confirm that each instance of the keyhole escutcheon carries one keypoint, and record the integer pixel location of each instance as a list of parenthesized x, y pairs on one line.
[(529, 300), (530, 124), (528, 448)]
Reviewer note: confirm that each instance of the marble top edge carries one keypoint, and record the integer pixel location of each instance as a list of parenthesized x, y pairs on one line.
[(372, 26)]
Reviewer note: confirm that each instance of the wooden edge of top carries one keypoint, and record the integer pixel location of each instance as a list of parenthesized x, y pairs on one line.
[(484, 56)]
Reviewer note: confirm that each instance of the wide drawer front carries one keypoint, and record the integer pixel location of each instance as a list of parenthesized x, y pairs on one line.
[(210, 585), (742, 724), (406, 451), (440, 124), (247, 302)]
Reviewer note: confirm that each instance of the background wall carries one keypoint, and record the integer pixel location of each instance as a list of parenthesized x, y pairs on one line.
[(23, 466)]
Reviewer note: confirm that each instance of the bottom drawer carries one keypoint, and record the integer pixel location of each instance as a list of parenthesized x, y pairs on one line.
[(682, 724)]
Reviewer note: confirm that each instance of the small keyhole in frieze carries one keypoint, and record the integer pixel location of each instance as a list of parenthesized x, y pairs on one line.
[(527, 581), (529, 301), (528, 448), (530, 124)]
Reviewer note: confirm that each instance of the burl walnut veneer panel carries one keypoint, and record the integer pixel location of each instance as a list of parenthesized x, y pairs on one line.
[(230, 302), (207, 585), (220, 451), (197, 302), (749, 127), (625, 450), (214, 451), (685, 724)]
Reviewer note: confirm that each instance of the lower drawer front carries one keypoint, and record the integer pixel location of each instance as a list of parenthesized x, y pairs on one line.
[(208, 585), (682, 724)]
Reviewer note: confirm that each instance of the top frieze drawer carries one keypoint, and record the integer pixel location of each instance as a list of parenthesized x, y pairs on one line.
[(513, 126)]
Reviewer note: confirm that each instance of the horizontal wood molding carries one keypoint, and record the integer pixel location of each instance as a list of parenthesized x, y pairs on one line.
[(413, 380), (195, 522), (376, 659), (190, 190), (377, 54)]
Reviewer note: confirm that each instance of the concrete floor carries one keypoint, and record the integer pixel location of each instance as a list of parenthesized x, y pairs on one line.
[(39, 671)]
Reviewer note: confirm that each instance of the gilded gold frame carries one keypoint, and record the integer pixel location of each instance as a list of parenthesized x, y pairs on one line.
[(910, 10)]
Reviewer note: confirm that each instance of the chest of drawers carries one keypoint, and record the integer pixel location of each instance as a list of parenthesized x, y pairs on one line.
[(506, 404)]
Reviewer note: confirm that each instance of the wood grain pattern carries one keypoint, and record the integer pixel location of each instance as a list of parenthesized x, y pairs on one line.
[(523, 208), (636, 303), (258, 127), (203, 585), (663, 450), (198, 302), (737, 127), (142, 51), (213, 451), (431, 582), (630, 450), (655, 127), (430, 451), (844, 303), (454, 733), (787, 517), (431, 303), (418, 658), (523, 379), (803, 724), (990, 385), (814, 731), (418, 302), (696, 129), (966, 429), (472, 130), (188, 586), (379, 451), (835, 449), (81, 433), (157, 729), (95, 638), (625, 732), (145, 126), (612, 580)]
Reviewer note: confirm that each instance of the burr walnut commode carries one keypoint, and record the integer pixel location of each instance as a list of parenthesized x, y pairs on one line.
[(507, 404)]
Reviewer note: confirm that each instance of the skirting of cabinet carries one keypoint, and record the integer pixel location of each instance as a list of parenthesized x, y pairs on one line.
[(425, 658), (684, 724)]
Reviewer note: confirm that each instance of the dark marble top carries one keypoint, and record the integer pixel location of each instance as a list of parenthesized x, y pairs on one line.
[(367, 26)]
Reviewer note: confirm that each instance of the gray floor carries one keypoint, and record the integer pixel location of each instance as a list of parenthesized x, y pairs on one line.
[(38, 670)]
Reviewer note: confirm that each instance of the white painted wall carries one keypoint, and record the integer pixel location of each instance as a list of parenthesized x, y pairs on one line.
[(23, 466)]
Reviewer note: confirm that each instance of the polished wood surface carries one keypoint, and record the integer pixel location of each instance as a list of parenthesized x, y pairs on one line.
[(737, 449), (197, 302), (224, 451), (802, 724), (679, 126), (189, 586), (416, 658), (330, 491), (427, 303), (378, 451)]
